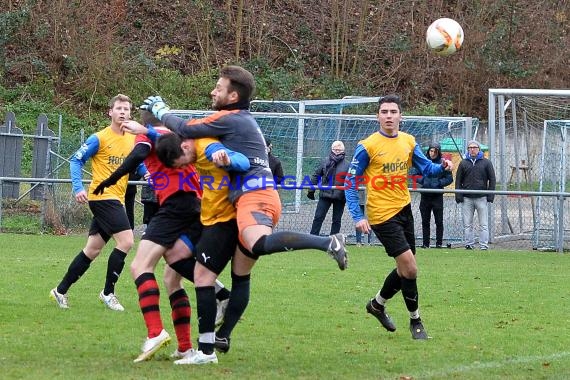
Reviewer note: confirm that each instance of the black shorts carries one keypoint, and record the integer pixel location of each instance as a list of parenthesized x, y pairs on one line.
[(109, 218), (217, 245), (397, 233), (149, 209), (178, 215)]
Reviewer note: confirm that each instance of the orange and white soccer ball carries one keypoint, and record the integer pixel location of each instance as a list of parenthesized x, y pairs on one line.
[(444, 37)]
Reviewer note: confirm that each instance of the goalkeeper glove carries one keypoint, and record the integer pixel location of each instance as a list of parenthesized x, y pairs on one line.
[(156, 105)]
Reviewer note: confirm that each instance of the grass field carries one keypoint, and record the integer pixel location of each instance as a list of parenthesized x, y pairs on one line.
[(491, 315)]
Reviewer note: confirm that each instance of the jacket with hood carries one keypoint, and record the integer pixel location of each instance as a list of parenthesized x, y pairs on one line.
[(475, 174), (435, 181)]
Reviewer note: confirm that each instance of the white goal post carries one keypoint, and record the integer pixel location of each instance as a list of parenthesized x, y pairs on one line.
[(527, 155)]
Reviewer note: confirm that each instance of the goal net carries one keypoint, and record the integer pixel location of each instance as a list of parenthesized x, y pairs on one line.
[(528, 142), (550, 215), (302, 133)]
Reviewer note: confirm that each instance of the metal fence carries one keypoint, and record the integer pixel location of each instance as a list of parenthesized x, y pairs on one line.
[(525, 206), (517, 203)]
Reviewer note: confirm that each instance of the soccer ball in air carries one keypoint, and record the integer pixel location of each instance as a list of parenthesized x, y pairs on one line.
[(444, 36)]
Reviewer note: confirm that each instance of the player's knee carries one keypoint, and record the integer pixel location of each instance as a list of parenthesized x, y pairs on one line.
[(409, 272), (259, 246), (136, 269), (407, 266), (92, 252), (129, 244), (125, 240)]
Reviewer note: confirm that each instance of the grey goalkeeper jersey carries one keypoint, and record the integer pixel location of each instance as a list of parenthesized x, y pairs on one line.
[(237, 130)]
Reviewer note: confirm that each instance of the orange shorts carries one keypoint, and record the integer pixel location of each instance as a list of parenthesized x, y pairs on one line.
[(258, 207)]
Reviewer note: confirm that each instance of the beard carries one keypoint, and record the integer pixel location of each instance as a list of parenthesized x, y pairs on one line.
[(219, 103)]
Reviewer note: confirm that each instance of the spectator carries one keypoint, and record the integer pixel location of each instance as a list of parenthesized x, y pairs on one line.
[(433, 202), (150, 203), (327, 175), (274, 163), (475, 172), (130, 198)]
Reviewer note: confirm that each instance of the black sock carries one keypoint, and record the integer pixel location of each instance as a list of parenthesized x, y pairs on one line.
[(282, 241), (77, 267), (115, 266), (392, 285), (237, 304), (206, 303), (185, 268), (223, 294), (410, 293)]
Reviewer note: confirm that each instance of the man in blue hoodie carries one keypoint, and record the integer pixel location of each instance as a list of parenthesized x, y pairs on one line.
[(433, 202), (475, 172)]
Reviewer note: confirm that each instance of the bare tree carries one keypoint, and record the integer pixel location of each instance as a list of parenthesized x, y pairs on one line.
[(239, 20), (358, 48)]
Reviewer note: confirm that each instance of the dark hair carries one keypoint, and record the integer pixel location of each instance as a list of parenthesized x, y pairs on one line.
[(267, 141), (148, 118), (241, 81), (168, 149), (437, 147), (390, 99)]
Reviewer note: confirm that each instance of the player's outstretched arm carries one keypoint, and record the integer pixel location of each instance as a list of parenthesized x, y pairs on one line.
[(156, 106), (132, 162), (227, 158), (134, 128)]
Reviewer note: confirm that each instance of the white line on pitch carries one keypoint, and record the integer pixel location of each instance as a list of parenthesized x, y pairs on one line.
[(496, 364)]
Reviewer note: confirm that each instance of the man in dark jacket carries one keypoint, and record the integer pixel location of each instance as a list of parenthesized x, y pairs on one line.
[(475, 172), (130, 198), (327, 175), (274, 163), (433, 202)]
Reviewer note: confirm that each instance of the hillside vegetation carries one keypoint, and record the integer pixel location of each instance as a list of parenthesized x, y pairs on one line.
[(71, 56)]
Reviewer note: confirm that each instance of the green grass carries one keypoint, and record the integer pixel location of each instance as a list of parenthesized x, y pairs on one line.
[(491, 315)]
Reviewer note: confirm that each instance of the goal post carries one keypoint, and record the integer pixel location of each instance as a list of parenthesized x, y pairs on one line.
[(302, 134), (527, 146), (549, 233)]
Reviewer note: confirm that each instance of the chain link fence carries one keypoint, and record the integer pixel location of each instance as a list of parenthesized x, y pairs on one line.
[(523, 210)]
